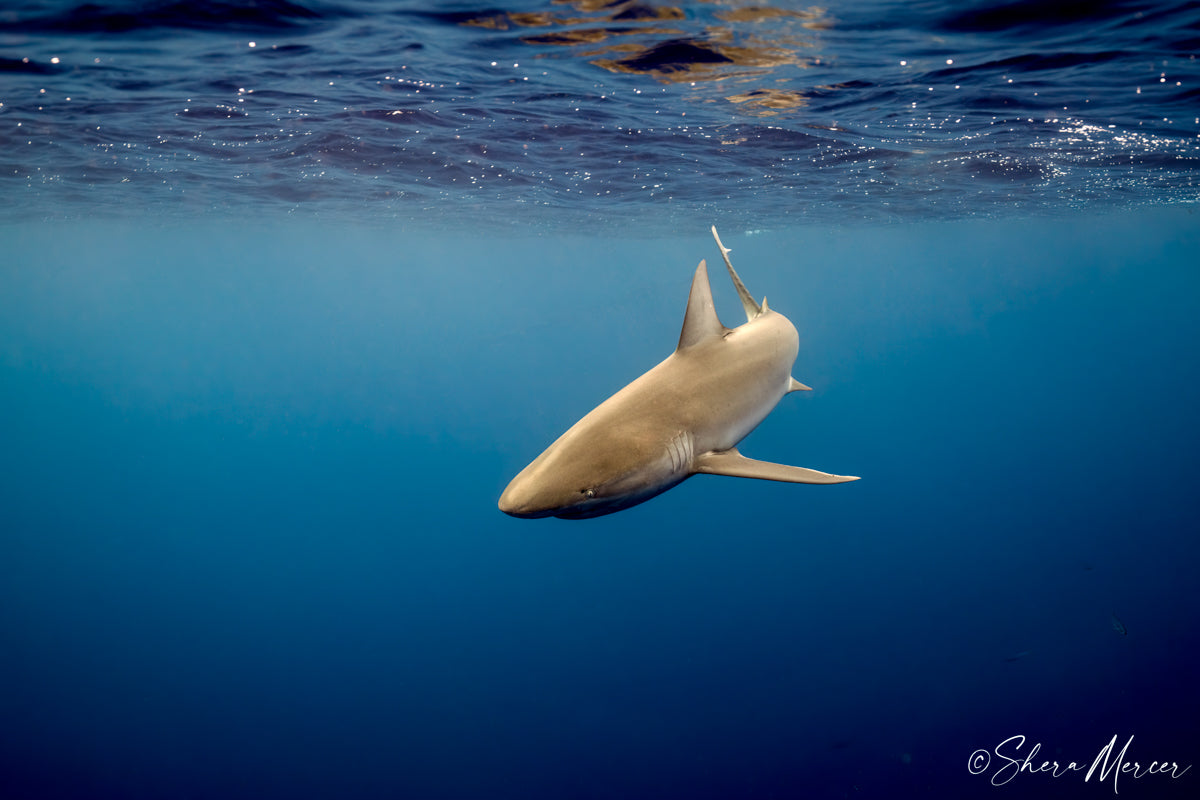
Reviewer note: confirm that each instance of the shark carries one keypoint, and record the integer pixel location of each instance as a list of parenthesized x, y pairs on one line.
[(684, 417)]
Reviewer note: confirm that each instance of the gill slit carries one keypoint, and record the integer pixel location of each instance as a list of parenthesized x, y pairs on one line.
[(680, 450)]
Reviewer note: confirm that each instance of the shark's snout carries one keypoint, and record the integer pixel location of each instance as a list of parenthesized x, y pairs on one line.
[(519, 500)]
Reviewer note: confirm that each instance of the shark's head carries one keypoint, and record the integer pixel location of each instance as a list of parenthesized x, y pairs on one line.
[(584, 476)]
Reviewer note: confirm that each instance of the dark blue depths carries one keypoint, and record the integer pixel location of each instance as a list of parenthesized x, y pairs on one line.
[(251, 545)]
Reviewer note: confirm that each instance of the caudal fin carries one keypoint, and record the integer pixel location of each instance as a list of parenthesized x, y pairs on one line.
[(752, 308)]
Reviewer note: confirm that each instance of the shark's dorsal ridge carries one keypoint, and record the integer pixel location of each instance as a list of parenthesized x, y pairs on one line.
[(700, 321)]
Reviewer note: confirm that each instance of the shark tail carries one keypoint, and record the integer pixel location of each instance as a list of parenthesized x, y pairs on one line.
[(752, 308)]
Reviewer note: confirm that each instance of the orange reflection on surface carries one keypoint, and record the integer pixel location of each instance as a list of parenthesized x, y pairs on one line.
[(628, 37)]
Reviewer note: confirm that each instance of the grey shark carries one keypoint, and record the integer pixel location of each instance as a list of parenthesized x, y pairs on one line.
[(684, 417)]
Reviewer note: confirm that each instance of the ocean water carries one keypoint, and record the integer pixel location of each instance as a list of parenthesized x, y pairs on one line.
[(289, 291)]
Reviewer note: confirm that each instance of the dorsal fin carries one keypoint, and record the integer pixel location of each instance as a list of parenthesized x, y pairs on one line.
[(700, 320), (752, 308)]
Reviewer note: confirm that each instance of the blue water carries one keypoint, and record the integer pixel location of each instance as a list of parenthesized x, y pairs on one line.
[(279, 321)]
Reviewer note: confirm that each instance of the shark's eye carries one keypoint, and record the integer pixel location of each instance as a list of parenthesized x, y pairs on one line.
[(588, 493)]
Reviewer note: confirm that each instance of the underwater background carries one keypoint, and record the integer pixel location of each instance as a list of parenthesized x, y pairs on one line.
[(289, 291)]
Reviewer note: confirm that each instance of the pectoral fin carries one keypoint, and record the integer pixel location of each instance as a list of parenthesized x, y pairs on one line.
[(732, 463)]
